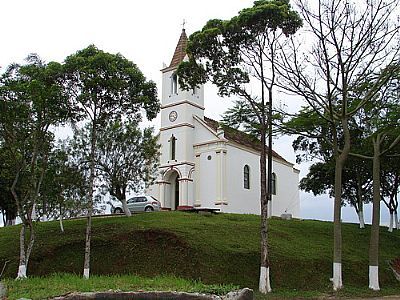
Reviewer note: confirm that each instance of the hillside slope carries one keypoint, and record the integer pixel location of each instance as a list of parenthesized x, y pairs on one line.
[(214, 249)]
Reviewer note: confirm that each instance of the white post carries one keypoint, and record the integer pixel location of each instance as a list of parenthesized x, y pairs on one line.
[(197, 181), (224, 196), (184, 200), (219, 179), (180, 182), (161, 187)]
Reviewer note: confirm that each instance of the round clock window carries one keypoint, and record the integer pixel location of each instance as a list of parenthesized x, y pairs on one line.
[(173, 115)]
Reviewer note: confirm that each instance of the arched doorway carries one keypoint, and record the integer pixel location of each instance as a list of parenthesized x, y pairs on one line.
[(172, 194)]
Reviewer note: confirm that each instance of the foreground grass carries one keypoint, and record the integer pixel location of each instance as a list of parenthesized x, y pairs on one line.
[(61, 284), (216, 249)]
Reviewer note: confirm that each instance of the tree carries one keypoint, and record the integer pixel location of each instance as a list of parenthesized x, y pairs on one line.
[(357, 181), (31, 100), (102, 86), (233, 53), (128, 159), (63, 190), (348, 41), (391, 188), (382, 131), (7, 203), (356, 188)]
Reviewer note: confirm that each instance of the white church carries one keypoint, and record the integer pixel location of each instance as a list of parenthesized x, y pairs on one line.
[(204, 166)]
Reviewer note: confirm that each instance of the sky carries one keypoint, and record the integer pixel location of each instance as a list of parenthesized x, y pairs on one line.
[(145, 32)]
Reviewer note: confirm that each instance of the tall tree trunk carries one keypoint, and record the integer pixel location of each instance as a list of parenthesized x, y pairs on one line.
[(360, 203), (337, 228), (337, 211), (396, 220), (264, 283), (22, 258), (374, 241), (86, 266), (31, 240)]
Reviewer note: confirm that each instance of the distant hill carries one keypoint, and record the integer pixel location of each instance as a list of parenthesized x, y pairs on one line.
[(220, 248)]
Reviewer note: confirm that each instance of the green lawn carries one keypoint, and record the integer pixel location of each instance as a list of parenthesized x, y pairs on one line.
[(212, 249), (61, 284)]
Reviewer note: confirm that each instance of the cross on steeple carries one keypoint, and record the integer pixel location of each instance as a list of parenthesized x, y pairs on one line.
[(183, 24)]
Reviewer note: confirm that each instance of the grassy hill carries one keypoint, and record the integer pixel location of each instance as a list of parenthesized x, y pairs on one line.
[(211, 248)]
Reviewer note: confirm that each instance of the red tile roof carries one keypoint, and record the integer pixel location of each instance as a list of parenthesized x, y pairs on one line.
[(240, 137)]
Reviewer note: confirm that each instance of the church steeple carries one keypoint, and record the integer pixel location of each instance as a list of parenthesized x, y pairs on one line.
[(184, 103), (180, 50)]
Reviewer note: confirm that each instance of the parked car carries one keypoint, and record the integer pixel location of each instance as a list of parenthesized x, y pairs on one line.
[(138, 204)]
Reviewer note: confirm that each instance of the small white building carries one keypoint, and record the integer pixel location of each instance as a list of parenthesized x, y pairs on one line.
[(205, 166)]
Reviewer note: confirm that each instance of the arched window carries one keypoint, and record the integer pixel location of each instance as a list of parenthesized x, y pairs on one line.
[(273, 184), (246, 177), (173, 145), (174, 84)]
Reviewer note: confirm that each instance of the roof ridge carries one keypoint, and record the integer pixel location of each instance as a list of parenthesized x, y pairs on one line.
[(241, 137)]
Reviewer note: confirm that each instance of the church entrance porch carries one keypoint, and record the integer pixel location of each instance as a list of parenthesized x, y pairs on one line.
[(174, 191), (169, 190)]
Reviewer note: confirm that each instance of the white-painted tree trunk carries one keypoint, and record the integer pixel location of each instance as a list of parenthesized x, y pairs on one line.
[(33, 212), (61, 224), (264, 285), (125, 207), (86, 273), (374, 278), (361, 219), (337, 276), (390, 223), (21, 272), (396, 220)]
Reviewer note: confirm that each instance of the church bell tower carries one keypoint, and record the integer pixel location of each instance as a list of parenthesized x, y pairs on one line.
[(178, 108)]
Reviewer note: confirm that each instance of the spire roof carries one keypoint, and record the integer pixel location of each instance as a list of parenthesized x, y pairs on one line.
[(180, 50)]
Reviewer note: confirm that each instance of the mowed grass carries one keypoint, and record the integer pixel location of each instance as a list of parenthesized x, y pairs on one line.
[(61, 284), (212, 249)]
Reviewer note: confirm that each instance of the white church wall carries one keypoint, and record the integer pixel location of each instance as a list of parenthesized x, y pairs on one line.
[(286, 199), (169, 97), (208, 173), (241, 200), (202, 134), (183, 146)]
